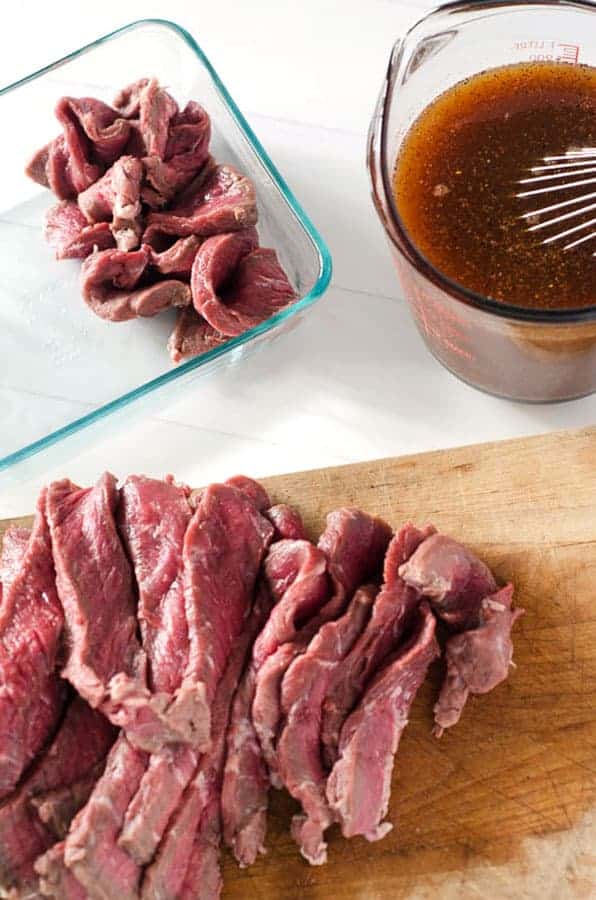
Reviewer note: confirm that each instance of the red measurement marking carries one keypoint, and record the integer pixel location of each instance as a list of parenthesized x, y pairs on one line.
[(568, 53)]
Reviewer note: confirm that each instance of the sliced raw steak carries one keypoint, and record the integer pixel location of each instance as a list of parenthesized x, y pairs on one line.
[(57, 808), (478, 659), (128, 100), (253, 489), (228, 524), (266, 707), (192, 336), (296, 572), (451, 578), (156, 109), (153, 517), (223, 549), (224, 200), (156, 799), (359, 785), (390, 618), (31, 621), (178, 258), (55, 880), (51, 167), (105, 663), (69, 233), (287, 522), (109, 279), (22, 835), (14, 547), (299, 748), (246, 782), (90, 127), (115, 198), (91, 851), (94, 135), (354, 544), (234, 288), (187, 863), (187, 152)]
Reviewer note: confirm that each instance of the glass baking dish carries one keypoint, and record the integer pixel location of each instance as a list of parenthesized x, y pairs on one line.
[(64, 373)]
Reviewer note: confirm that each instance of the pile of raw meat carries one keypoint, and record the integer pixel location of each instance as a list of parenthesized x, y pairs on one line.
[(168, 655), (156, 220)]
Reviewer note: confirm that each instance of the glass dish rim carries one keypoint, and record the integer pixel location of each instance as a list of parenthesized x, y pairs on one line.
[(401, 236), (191, 365)]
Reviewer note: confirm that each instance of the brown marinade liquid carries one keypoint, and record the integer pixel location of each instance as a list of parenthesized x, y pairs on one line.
[(456, 179)]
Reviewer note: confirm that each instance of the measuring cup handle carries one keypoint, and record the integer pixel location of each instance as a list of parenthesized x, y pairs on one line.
[(374, 145)]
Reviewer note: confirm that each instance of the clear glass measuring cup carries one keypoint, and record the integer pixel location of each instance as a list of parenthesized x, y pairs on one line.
[(523, 354)]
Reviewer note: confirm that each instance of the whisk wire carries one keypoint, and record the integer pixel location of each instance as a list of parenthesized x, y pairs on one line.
[(554, 178)]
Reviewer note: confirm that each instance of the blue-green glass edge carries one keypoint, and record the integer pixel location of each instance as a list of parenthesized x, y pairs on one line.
[(322, 283)]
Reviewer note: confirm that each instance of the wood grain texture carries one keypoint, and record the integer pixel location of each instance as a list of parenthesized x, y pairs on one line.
[(503, 806)]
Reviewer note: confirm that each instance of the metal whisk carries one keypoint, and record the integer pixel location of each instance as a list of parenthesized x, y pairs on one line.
[(558, 174)]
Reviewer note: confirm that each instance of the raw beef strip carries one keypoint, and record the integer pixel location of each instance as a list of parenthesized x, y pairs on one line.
[(94, 584), (128, 100), (55, 880), (354, 544), (69, 233), (92, 129), (105, 664), (266, 711), (126, 212), (31, 621), (187, 152), (57, 808), (359, 785), (156, 110), (93, 134), (253, 489), (169, 772), (479, 659), (156, 799), (14, 547), (22, 835), (153, 517), (192, 336), (451, 578), (108, 281), (299, 747), (296, 572), (116, 197), (91, 851), (224, 200), (187, 863), (246, 782), (235, 296), (178, 258), (391, 614), (52, 168), (287, 522), (223, 549)]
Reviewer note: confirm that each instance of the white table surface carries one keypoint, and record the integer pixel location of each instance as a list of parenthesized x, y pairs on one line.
[(354, 381)]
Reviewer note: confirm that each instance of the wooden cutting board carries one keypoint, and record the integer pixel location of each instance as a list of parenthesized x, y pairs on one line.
[(504, 805)]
